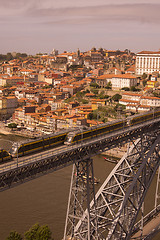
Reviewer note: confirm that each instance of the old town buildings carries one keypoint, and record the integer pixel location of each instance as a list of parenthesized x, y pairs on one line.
[(47, 93)]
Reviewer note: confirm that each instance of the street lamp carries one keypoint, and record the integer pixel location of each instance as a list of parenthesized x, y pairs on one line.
[(12, 144)]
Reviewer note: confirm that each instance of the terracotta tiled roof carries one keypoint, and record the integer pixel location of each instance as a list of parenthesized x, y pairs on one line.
[(116, 76), (149, 52)]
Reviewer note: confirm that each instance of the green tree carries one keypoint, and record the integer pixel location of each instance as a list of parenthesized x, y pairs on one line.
[(95, 85), (144, 82), (116, 97), (32, 233), (2, 57), (87, 91), (68, 100), (12, 125), (44, 233), (156, 94), (38, 232), (134, 89), (75, 67), (90, 115), (14, 236), (84, 101), (144, 76), (95, 91), (109, 85), (126, 89), (9, 57), (21, 55), (80, 94)]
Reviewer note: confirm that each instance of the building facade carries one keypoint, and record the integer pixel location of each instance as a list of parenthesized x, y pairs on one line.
[(7, 107), (147, 62), (118, 81)]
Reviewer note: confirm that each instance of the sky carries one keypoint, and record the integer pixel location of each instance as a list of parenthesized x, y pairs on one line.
[(34, 26)]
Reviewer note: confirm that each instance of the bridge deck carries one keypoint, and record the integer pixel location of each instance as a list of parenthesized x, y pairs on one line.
[(30, 167), (25, 160)]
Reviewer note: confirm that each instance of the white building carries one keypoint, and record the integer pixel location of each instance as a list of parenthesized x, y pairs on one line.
[(139, 102), (147, 62), (118, 81)]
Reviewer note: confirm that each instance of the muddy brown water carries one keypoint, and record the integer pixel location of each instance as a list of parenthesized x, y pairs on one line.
[(44, 200)]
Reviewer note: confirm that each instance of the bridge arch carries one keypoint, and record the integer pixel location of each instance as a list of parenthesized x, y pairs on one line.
[(113, 212)]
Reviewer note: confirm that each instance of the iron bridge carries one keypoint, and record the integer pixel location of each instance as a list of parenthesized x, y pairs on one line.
[(112, 212)]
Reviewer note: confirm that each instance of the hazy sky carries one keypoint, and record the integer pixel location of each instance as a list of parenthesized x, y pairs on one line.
[(34, 26)]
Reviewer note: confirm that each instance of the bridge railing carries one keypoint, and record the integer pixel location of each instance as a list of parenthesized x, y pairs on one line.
[(149, 216), (51, 153)]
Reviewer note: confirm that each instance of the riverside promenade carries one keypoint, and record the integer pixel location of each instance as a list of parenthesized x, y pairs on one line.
[(22, 133)]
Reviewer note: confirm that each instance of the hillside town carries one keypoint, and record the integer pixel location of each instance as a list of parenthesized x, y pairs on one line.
[(46, 93)]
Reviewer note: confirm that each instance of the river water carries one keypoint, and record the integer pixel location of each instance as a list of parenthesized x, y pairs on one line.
[(44, 200)]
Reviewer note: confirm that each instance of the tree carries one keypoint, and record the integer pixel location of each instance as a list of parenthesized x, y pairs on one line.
[(38, 232), (32, 233), (144, 76), (93, 49), (90, 115), (144, 82), (156, 94), (134, 89), (109, 85), (84, 101), (156, 84), (87, 91), (80, 94), (12, 125), (14, 236), (95, 85), (116, 97), (68, 100), (9, 57), (125, 88), (95, 91), (44, 233)]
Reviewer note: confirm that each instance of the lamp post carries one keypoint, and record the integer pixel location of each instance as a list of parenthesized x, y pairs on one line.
[(12, 143), (17, 154)]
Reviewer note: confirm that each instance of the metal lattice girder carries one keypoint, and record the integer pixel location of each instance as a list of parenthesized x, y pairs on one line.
[(81, 193), (33, 166), (157, 195), (119, 199)]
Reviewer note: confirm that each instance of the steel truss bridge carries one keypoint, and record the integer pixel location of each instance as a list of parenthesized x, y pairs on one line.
[(112, 212)]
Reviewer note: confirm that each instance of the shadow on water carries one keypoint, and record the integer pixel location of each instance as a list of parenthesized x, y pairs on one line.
[(43, 200)]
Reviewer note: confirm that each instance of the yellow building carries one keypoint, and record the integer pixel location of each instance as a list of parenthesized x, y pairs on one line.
[(97, 103), (151, 84)]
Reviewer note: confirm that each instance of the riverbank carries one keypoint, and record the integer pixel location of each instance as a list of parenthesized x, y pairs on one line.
[(4, 132), (21, 133), (116, 153)]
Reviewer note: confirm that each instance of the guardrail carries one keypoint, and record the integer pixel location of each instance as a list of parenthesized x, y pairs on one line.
[(149, 216)]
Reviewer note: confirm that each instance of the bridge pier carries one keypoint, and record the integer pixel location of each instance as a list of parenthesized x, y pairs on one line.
[(113, 211), (82, 191)]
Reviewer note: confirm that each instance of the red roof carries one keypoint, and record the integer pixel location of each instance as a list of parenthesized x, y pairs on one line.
[(148, 52)]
